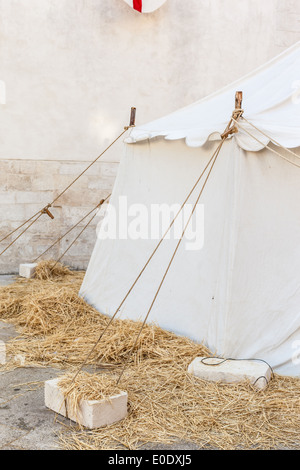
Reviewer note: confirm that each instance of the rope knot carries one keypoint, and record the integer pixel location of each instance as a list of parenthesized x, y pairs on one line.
[(237, 113)]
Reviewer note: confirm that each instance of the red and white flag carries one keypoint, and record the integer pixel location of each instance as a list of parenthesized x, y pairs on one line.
[(145, 6)]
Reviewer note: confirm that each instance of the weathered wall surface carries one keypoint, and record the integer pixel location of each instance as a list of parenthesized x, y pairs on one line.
[(73, 68), (27, 186)]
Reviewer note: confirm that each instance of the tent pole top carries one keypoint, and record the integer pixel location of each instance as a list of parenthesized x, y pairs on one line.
[(238, 112), (236, 115), (132, 119), (238, 100)]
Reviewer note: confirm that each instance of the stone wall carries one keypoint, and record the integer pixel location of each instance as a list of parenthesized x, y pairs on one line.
[(71, 69), (28, 186)]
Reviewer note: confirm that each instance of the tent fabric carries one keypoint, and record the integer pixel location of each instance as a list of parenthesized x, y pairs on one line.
[(271, 102), (240, 292)]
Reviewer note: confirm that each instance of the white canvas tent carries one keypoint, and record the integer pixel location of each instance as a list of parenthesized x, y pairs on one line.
[(240, 293)]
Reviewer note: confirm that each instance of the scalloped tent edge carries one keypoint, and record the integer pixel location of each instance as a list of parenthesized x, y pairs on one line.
[(271, 102)]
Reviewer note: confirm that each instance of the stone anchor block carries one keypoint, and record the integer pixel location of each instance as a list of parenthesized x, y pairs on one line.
[(91, 414), (27, 270), (231, 371)]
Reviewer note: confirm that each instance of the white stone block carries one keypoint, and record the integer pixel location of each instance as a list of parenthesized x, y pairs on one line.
[(231, 371), (91, 413), (2, 353), (27, 270)]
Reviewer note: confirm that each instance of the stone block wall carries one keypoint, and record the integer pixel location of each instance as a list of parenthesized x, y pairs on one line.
[(28, 186)]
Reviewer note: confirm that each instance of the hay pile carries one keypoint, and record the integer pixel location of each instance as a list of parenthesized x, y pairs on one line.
[(57, 328), (167, 405), (47, 270)]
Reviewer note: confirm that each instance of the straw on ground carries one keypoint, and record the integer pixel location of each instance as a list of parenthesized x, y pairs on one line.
[(58, 328)]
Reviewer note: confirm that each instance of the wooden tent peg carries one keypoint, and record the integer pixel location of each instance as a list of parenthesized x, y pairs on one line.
[(46, 211)]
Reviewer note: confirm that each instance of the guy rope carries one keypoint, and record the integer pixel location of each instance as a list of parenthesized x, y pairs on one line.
[(70, 230), (270, 140)]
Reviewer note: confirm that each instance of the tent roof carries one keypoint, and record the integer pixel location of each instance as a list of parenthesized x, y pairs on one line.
[(271, 101)]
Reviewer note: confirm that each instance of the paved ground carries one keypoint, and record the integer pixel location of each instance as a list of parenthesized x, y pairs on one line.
[(5, 279), (25, 422)]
